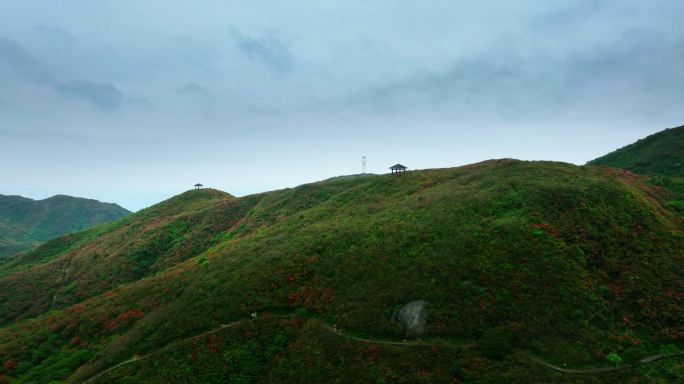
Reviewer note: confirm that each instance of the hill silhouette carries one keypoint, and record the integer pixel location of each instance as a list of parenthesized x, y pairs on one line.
[(564, 262), (24, 223)]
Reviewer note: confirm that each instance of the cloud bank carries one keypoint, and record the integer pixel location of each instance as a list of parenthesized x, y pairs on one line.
[(159, 95)]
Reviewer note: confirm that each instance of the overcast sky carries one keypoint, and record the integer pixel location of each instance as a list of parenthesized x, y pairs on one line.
[(132, 101)]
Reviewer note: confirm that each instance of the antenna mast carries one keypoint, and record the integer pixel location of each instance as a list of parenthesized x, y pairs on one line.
[(363, 165)]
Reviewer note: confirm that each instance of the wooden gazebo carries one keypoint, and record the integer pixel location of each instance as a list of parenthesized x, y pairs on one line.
[(398, 169), (198, 186)]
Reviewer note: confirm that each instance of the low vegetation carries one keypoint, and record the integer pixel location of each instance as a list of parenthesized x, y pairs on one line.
[(568, 263)]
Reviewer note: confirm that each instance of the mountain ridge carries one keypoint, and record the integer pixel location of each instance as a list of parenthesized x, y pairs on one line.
[(25, 222)]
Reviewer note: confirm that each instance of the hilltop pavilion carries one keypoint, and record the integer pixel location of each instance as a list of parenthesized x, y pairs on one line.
[(398, 169)]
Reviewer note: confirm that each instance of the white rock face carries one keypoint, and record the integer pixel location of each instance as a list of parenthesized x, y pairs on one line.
[(412, 317)]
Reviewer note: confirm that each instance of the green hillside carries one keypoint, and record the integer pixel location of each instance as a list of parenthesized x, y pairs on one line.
[(568, 264), (24, 223), (661, 154), (85, 264)]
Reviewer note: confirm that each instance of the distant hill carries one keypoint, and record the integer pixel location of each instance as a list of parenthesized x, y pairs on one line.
[(24, 222), (570, 264), (660, 154)]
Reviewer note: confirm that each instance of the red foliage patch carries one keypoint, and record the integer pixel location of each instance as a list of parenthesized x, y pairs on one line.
[(547, 228), (315, 299), (9, 364), (124, 318), (367, 355), (674, 333), (75, 340), (211, 343), (294, 346), (515, 326), (78, 308)]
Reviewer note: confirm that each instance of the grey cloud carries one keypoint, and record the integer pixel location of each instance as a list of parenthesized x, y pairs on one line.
[(15, 59), (268, 50), (570, 14), (44, 135), (496, 80), (505, 82), (103, 96), (13, 55), (54, 34), (139, 102), (464, 77), (640, 56), (193, 89)]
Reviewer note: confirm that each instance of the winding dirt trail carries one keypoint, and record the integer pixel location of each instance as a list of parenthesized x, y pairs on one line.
[(645, 360), (407, 343), (138, 358)]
